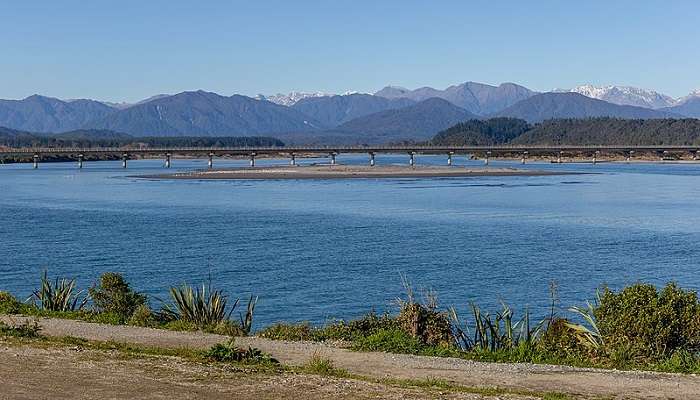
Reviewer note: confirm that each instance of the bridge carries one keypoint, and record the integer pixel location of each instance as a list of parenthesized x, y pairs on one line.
[(484, 152)]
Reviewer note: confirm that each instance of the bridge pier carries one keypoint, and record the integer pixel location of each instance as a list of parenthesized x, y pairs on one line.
[(210, 162), (124, 158), (595, 157), (36, 161), (333, 158), (449, 159), (412, 159), (522, 160), (486, 160), (371, 159), (293, 160), (559, 157), (695, 155), (80, 161), (167, 160), (252, 160), (629, 155)]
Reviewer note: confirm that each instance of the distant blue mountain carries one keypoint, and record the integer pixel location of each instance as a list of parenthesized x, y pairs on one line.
[(45, 114), (203, 113), (689, 108), (477, 98), (573, 105), (332, 111)]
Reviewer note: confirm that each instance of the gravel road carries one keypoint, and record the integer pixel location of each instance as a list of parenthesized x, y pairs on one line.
[(540, 378)]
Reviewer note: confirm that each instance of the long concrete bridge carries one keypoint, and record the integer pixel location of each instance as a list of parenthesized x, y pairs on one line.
[(484, 152)]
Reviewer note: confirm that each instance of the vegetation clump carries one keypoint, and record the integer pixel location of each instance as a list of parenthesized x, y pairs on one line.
[(228, 352), (648, 323), (9, 304), (24, 330), (61, 295), (113, 295), (206, 309)]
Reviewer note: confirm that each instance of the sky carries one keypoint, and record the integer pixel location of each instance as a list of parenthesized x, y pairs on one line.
[(129, 50)]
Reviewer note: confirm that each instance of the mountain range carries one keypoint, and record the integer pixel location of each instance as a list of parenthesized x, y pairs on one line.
[(474, 97), (390, 114)]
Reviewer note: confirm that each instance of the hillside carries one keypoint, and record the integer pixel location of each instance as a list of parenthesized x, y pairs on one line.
[(332, 111), (573, 105), (45, 114), (205, 114), (417, 122), (477, 98), (689, 108), (105, 138), (481, 133), (592, 131)]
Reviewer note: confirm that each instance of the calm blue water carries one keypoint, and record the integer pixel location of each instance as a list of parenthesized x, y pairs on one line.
[(314, 250)]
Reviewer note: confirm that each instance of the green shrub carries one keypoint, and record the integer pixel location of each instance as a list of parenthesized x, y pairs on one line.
[(59, 296), (323, 366), (227, 327), (367, 325), (143, 316), (560, 339), (641, 322), (390, 341), (293, 332), (228, 352), (9, 304), (113, 295), (26, 329)]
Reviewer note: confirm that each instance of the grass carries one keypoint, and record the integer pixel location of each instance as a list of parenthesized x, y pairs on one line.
[(318, 365), (24, 330)]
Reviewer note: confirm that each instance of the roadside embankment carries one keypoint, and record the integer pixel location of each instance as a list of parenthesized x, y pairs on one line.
[(579, 382)]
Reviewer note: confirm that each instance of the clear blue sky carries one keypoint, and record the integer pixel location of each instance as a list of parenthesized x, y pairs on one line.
[(129, 50)]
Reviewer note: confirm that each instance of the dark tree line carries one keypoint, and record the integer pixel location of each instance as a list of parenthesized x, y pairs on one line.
[(591, 131), (90, 138)]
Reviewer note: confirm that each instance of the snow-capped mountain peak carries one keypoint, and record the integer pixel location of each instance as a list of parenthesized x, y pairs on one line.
[(626, 95), (290, 98)]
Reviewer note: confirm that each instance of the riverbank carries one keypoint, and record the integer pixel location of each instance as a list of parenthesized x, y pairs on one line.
[(60, 365), (327, 171)]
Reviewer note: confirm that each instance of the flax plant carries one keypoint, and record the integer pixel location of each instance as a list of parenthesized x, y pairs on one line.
[(61, 295), (199, 306)]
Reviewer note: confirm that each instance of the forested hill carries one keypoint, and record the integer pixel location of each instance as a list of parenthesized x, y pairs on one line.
[(593, 131), (107, 138)]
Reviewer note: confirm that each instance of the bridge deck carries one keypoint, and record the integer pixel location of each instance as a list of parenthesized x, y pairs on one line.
[(342, 149)]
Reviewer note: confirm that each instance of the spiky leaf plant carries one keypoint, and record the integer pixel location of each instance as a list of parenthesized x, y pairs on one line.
[(198, 306), (61, 295)]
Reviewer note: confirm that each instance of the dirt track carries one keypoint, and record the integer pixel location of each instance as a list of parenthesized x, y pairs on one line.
[(539, 378)]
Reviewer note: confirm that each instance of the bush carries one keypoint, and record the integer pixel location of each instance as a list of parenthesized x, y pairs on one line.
[(226, 328), (426, 324), (113, 295), (560, 339), (9, 304), (641, 322), (323, 366), (390, 341), (143, 316), (228, 352), (369, 324), (26, 329)]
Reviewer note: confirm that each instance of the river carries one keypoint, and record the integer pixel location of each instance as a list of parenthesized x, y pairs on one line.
[(317, 250)]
